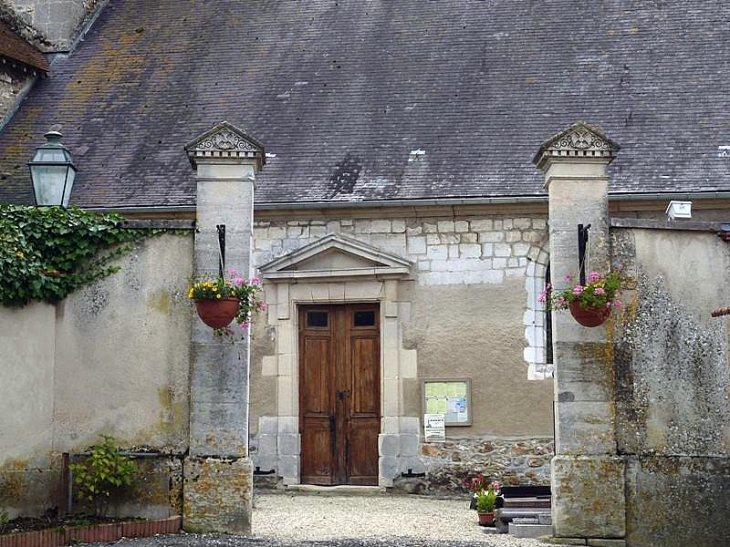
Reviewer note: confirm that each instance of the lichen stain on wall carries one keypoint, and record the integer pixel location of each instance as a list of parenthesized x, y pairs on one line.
[(159, 301), (13, 480), (673, 378)]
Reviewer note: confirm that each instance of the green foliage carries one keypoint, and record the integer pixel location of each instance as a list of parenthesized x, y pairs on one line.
[(487, 501), (4, 518), (103, 472), (47, 253)]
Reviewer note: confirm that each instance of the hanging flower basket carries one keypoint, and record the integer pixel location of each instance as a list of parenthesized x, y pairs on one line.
[(589, 304), (220, 301), (589, 317), (219, 313)]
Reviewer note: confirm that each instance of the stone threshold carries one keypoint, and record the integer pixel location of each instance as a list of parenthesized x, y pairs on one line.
[(341, 490), (96, 533)]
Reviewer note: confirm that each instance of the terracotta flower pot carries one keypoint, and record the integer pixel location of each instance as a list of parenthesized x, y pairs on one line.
[(217, 313), (486, 518), (591, 317)]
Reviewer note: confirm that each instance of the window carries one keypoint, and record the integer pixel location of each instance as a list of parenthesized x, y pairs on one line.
[(363, 318), (317, 319)]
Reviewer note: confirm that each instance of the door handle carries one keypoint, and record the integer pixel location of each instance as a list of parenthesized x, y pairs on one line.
[(333, 434), (342, 395)]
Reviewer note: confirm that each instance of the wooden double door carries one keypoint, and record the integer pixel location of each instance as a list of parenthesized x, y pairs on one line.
[(339, 393)]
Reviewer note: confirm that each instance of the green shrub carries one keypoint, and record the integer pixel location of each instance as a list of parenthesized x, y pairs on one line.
[(47, 253), (104, 472)]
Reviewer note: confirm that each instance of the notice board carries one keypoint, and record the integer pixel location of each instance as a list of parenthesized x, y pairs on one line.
[(450, 397)]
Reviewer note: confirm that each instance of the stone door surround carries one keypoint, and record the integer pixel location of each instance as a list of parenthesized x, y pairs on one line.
[(335, 270)]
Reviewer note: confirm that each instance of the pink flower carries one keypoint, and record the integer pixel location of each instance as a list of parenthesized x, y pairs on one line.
[(617, 303), (244, 325), (599, 290), (255, 281), (264, 307), (568, 278), (543, 294), (232, 272), (594, 276), (238, 281), (578, 289), (560, 301)]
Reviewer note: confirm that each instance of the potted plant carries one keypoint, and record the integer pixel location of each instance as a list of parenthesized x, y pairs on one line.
[(589, 304), (475, 486), (219, 301), (486, 503)]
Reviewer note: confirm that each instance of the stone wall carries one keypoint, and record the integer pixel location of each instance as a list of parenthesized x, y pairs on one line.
[(672, 368), (112, 359), (14, 83), (468, 309), (50, 25), (514, 462)]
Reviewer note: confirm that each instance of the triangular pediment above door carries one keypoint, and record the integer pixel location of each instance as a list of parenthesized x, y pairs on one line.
[(335, 256)]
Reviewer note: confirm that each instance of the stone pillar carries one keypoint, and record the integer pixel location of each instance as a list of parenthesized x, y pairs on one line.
[(587, 475), (218, 473)]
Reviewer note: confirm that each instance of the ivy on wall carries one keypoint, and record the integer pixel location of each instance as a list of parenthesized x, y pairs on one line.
[(46, 253)]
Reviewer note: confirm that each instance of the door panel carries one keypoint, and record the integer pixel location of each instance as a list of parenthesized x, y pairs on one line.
[(316, 351), (315, 400), (366, 354), (339, 393), (363, 442)]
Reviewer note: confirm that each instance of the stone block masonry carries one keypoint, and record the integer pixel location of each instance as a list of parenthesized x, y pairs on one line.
[(218, 473), (445, 252), (514, 462), (14, 83), (218, 493)]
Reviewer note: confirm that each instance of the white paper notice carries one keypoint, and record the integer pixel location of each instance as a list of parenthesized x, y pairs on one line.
[(434, 426)]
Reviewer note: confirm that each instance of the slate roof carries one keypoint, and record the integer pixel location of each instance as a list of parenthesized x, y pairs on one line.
[(14, 47), (343, 91)]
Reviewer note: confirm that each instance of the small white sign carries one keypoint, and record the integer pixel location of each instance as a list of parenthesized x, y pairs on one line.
[(434, 428)]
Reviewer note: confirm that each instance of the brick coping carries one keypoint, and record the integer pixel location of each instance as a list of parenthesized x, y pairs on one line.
[(95, 533)]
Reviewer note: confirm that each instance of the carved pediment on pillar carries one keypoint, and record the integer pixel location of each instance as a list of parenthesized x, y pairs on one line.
[(335, 256), (579, 141), (227, 142)]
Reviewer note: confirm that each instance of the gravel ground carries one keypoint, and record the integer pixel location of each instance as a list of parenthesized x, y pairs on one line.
[(349, 521)]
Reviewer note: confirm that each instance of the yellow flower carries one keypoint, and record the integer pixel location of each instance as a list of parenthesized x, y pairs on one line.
[(20, 254), (218, 296)]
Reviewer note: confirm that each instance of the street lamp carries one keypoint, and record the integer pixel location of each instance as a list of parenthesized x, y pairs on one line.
[(52, 172)]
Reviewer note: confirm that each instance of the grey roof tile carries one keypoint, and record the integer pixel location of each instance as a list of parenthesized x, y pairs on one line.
[(343, 91)]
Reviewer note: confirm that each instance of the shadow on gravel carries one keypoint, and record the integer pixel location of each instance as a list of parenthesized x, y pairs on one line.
[(190, 540)]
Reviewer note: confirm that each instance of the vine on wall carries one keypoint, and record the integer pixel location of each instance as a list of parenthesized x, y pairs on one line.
[(46, 253)]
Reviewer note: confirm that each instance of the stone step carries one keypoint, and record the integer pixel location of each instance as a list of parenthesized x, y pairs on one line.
[(507, 516), (529, 530), (523, 520), (545, 518), (527, 502), (522, 512), (341, 490)]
